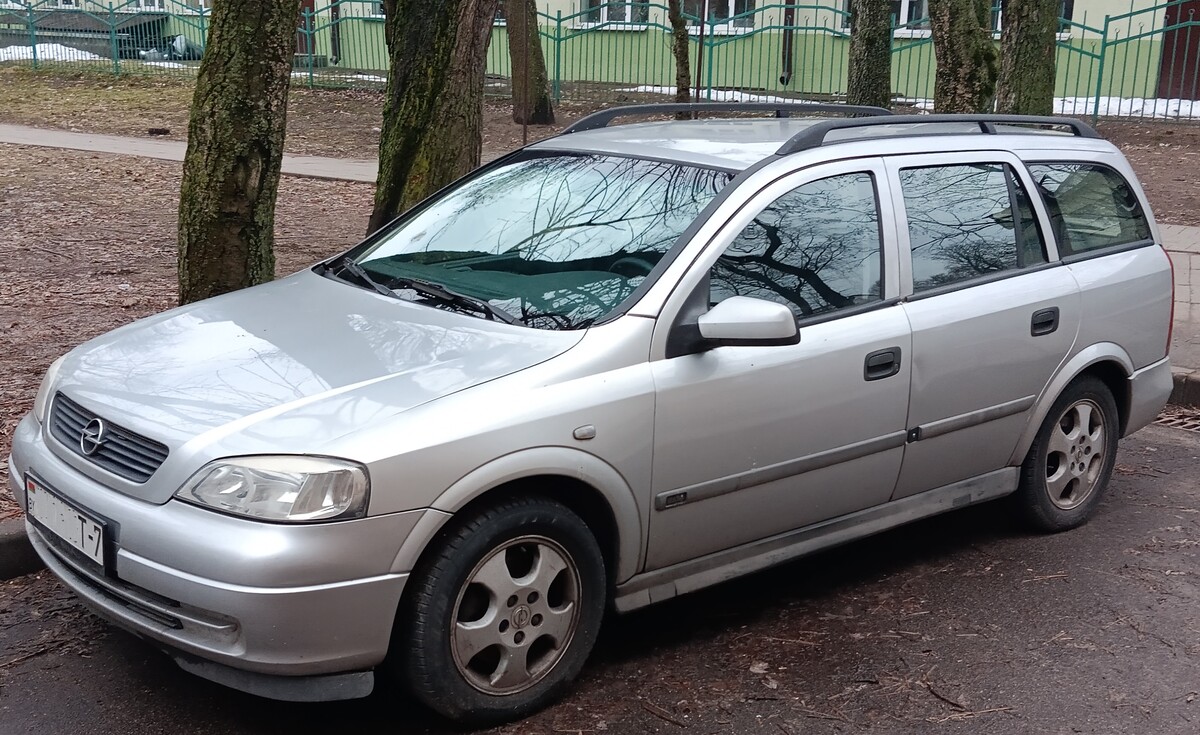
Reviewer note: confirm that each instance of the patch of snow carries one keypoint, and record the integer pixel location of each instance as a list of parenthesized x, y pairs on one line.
[(47, 52), (167, 64), (1129, 107), (716, 95), (1134, 107)]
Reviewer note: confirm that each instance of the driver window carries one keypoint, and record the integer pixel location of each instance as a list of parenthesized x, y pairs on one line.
[(816, 249)]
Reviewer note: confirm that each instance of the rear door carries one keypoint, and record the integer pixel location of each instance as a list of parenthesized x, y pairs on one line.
[(993, 312), (750, 442)]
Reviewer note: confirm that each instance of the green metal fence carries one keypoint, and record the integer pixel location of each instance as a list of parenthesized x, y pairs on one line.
[(1144, 63)]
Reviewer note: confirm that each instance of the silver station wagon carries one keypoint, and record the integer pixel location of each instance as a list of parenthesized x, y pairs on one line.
[(610, 368)]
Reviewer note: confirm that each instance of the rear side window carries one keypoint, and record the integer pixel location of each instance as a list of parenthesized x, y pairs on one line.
[(967, 221), (1090, 206)]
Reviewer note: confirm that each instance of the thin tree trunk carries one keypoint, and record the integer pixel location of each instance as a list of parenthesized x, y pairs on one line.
[(530, 82), (681, 47), (870, 74), (235, 148), (1027, 59), (965, 53), (433, 106)]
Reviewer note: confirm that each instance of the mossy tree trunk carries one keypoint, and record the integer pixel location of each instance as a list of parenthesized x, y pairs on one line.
[(433, 106), (235, 148), (1027, 58), (681, 48), (965, 53), (530, 82), (870, 74)]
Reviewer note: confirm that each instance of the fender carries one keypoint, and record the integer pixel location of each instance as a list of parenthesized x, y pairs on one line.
[(1082, 360), (538, 461)]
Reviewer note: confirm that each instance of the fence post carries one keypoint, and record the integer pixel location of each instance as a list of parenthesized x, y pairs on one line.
[(112, 37), (708, 63), (1100, 71), (32, 36), (308, 43), (203, 29), (557, 57)]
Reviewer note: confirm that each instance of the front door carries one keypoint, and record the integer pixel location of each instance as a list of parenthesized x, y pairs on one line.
[(750, 442), (993, 316)]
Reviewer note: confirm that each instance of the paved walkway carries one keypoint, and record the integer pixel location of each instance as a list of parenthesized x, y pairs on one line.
[(1182, 242), (172, 150)]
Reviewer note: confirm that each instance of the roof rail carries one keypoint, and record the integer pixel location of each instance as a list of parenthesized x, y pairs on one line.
[(814, 136), (601, 119)]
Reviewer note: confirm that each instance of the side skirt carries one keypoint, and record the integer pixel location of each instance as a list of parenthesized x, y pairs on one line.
[(689, 576)]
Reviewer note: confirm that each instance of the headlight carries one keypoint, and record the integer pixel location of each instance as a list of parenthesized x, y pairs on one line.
[(294, 489), (43, 395)]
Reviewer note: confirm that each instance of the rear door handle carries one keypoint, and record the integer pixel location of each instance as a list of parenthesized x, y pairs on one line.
[(1044, 322), (882, 364)]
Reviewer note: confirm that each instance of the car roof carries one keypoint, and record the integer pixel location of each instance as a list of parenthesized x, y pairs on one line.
[(737, 144)]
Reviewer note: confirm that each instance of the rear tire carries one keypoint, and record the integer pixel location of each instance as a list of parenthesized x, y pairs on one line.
[(1067, 469), (502, 614)]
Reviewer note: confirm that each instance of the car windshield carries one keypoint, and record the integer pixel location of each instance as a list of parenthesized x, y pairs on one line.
[(556, 241)]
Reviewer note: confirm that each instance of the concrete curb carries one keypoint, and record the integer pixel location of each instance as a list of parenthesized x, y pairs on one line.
[(17, 556), (1187, 387)]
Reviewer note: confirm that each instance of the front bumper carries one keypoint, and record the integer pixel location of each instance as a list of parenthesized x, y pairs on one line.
[(235, 600)]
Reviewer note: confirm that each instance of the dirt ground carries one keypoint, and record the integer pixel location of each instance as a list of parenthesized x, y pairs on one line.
[(89, 239), (345, 123)]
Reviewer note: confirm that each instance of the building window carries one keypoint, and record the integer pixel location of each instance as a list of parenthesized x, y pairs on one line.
[(910, 11), (599, 11), (728, 13), (1066, 11), (376, 8), (912, 14)]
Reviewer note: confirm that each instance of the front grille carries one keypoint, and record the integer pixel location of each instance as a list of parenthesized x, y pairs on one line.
[(121, 452)]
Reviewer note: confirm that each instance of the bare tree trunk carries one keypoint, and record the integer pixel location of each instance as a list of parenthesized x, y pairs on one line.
[(681, 47), (235, 148), (530, 82), (433, 106), (870, 75), (1027, 59), (966, 55)]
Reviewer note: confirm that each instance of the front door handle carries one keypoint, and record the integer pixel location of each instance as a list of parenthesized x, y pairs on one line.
[(882, 364), (1044, 322)]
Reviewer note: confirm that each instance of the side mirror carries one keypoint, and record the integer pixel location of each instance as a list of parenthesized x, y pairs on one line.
[(743, 321)]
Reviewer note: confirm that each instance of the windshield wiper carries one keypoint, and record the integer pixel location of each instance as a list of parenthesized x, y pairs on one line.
[(445, 296), (360, 274), (430, 290)]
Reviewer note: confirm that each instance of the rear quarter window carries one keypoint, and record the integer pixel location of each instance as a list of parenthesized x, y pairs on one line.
[(1091, 207)]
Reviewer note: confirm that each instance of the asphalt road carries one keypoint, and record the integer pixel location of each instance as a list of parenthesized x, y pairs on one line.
[(960, 624)]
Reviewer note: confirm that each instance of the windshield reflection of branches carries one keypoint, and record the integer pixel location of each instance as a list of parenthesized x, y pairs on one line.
[(557, 240), (816, 248), (563, 208), (959, 222)]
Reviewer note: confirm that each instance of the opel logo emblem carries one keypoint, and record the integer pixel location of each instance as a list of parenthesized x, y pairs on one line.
[(93, 437), (520, 617)]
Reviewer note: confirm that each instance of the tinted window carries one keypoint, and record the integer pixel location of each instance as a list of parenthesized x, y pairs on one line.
[(816, 249), (557, 241), (967, 221), (1090, 206)]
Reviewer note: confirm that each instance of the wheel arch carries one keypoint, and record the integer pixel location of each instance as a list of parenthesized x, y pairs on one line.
[(589, 486), (1108, 362)]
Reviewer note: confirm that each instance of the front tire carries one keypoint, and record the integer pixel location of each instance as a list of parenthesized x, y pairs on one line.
[(1068, 467), (503, 612)]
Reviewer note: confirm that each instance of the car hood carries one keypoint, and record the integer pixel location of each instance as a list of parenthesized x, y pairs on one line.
[(329, 356)]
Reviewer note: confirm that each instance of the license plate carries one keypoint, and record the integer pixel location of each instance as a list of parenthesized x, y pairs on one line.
[(79, 530)]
